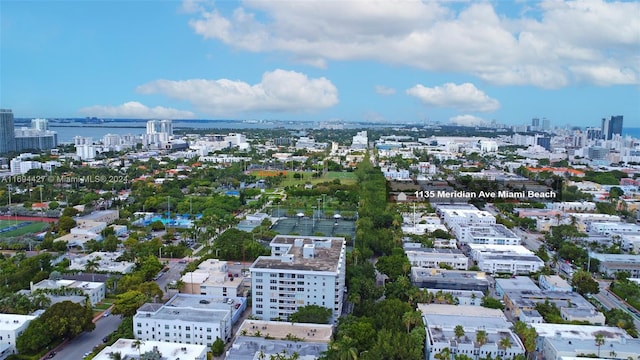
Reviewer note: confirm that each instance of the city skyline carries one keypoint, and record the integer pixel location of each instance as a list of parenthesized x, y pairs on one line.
[(403, 62)]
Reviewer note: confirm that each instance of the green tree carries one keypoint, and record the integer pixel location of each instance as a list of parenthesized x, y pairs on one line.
[(311, 314), (492, 303), (217, 348), (127, 304), (65, 223), (583, 283), (62, 320)]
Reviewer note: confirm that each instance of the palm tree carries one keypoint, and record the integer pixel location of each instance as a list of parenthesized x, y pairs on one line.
[(411, 318), (91, 266), (459, 332), (137, 344), (599, 341), (345, 349), (481, 339), (504, 344), (115, 356)]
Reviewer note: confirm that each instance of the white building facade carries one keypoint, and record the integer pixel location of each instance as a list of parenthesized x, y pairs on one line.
[(301, 271)]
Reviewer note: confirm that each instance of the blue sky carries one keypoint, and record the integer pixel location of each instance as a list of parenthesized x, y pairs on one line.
[(465, 62)]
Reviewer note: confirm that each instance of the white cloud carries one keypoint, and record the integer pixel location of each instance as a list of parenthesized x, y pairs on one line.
[(383, 90), (463, 97), (467, 120), (548, 48), (278, 91), (135, 110)]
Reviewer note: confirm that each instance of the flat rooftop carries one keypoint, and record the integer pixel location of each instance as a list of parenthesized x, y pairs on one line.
[(169, 350), (511, 249), (586, 332), (12, 322), (460, 311), (280, 330), (492, 231), (326, 252), (190, 308)]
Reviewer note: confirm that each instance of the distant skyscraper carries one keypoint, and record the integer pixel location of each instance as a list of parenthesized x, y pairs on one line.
[(535, 124), (166, 126), (545, 124), (40, 124), (611, 127), (153, 126), (545, 142), (7, 132)]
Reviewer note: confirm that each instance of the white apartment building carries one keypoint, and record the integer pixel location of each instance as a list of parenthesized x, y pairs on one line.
[(167, 350), (466, 217), (11, 326), (513, 259), (185, 319), (432, 258), (611, 228), (565, 341), (301, 271), (94, 291), (360, 141), (212, 278), (493, 234), (107, 262), (441, 320)]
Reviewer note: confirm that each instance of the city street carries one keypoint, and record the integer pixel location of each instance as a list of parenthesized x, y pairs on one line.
[(610, 301), (85, 342)]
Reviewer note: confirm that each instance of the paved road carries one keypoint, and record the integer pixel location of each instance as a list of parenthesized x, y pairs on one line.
[(611, 301), (175, 268), (76, 348)]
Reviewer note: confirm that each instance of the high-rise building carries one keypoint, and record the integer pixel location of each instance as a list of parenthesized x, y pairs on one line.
[(40, 124), (544, 141), (37, 137), (301, 271), (545, 124), (7, 131), (611, 127), (535, 124)]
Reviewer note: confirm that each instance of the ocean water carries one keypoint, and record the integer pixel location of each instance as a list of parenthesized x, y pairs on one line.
[(633, 132)]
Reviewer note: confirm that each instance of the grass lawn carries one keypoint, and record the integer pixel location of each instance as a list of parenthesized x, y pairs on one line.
[(34, 227)]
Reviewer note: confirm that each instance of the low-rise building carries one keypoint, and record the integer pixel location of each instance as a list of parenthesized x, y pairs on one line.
[(610, 264), (449, 279), (11, 326), (463, 297), (523, 283), (468, 217), (433, 258), (564, 341), (128, 349), (94, 291), (554, 283), (510, 259), (269, 338), (440, 322), (187, 319), (494, 234), (572, 306), (105, 262), (212, 278)]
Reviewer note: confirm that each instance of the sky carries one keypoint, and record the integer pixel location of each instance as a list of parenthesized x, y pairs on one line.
[(402, 61)]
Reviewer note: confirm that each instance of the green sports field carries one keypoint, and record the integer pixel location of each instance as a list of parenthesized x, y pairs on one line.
[(34, 227)]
